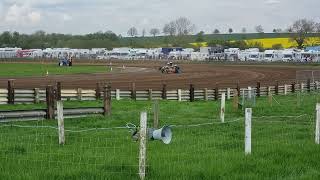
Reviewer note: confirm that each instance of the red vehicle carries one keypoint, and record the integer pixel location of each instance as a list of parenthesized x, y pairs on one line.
[(24, 53)]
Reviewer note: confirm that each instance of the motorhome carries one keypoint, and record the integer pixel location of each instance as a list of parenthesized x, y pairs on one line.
[(272, 55), (251, 54), (290, 55), (232, 54), (9, 52)]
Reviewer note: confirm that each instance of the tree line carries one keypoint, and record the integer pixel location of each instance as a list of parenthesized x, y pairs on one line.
[(179, 32)]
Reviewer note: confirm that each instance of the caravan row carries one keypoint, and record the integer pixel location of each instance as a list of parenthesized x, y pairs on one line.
[(287, 55), (204, 53)]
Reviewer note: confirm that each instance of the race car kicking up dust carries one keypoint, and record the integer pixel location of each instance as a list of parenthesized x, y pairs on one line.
[(170, 69)]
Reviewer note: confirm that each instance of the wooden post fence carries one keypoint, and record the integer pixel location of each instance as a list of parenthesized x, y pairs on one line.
[(164, 92), (238, 89), (60, 122), (98, 92), (58, 96), (235, 103), (269, 96), (133, 91), (216, 93), (11, 92), (258, 89), (248, 131), (143, 145), (150, 94), (293, 87), (107, 100), (50, 102), (277, 88), (191, 93)]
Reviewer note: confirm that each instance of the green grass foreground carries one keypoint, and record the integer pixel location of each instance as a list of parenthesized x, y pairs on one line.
[(40, 69), (282, 143)]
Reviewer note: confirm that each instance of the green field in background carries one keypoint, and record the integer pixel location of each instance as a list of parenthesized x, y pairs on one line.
[(41, 69)]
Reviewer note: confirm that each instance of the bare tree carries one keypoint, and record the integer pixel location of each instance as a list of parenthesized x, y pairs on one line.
[(259, 29), (230, 30), (184, 26), (132, 32), (289, 30), (216, 31), (278, 30), (317, 27), (301, 28), (244, 30), (170, 28), (143, 32), (154, 32)]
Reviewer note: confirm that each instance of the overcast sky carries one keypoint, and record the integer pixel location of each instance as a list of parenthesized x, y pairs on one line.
[(86, 16)]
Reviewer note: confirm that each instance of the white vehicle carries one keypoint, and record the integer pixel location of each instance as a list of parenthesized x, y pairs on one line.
[(9, 52), (252, 54), (272, 55), (232, 54), (290, 55), (287, 55)]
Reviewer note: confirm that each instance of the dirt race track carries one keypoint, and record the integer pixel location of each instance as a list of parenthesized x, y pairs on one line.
[(146, 76)]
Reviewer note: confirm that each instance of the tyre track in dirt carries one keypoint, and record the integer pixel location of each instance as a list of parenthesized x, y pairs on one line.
[(146, 76)]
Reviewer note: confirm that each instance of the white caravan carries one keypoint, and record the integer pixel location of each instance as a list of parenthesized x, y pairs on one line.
[(272, 55), (251, 54), (290, 55), (9, 52), (232, 54)]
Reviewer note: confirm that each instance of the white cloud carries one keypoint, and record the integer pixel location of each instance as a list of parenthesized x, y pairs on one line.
[(21, 15), (66, 17), (272, 2), (34, 17), (1, 10), (83, 16)]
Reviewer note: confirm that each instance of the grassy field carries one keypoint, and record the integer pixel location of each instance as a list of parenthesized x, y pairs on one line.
[(41, 69), (202, 148)]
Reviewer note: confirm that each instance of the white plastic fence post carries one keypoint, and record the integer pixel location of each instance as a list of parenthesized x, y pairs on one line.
[(301, 87), (117, 94), (60, 122), (249, 92), (228, 93), (248, 131), (318, 124), (143, 145), (223, 104), (205, 91), (179, 95), (285, 89)]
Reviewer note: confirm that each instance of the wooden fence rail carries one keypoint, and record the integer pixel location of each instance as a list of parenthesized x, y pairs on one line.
[(28, 96), (41, 114)]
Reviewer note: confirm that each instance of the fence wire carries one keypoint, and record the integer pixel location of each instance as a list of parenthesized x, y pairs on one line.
[(201, 148)]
